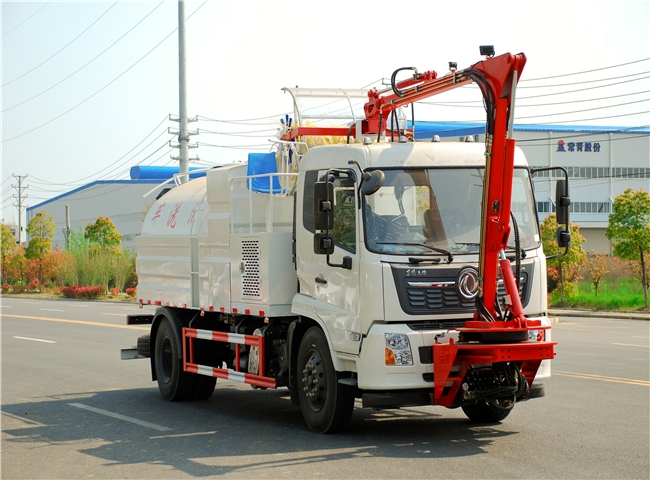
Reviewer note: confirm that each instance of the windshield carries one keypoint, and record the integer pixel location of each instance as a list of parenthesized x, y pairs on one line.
[(420, 208)]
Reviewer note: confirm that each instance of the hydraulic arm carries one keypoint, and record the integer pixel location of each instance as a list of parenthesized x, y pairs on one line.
[(497, 78)]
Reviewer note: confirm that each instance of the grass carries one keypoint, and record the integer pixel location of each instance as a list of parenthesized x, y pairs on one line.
[(622, 293)]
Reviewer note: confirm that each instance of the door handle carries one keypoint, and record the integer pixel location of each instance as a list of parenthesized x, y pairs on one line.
[(321, 280)]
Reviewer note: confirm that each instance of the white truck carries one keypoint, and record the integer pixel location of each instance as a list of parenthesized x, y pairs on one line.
[(353, 270)]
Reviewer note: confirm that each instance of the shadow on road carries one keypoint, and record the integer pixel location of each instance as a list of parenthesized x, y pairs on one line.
[(236, 430)]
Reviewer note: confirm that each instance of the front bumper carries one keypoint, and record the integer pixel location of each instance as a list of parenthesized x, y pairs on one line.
[(374, 374)]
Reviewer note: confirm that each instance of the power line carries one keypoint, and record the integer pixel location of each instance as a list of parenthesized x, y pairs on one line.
[(585, 100), (245, 121), (586, 81), (7, 33), (603, 118), (585, 71), (557, 93), (584, 110), (116, 161), (84, 66), (237, 147), (112, 179), (479, 103), (104, 87), (268, 132), (54, 55)]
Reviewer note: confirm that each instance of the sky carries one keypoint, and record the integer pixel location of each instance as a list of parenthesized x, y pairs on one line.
[(87, 88)]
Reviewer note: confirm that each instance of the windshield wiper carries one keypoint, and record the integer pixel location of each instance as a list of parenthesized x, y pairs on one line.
[(420, 260), (450, 257)]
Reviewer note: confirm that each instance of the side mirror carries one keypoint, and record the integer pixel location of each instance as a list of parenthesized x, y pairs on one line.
[(372, 181), (563, 237), (323, 208), (562, 201), (323, 244)]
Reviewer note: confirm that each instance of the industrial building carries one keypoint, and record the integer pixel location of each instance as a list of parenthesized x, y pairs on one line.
[(601, 162)]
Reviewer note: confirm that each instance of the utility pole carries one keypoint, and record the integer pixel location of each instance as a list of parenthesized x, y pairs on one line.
[(183, 133), (66, 229), (20, 196)]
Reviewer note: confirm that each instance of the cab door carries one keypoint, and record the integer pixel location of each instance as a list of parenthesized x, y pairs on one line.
[(336, 277)]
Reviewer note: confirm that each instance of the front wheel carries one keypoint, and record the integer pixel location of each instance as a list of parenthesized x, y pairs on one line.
[(488, 412), (326, 404)]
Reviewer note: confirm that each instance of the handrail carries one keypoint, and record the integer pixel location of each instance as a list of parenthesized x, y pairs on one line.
[(269, 216)]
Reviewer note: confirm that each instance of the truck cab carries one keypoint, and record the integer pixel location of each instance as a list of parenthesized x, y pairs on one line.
[(403, 271)]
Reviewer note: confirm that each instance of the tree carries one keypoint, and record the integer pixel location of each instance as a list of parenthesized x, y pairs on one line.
[(629, 230), (568, 265), (103, 232), (17, 266), (597, 270), (40, 230), (8, 246)]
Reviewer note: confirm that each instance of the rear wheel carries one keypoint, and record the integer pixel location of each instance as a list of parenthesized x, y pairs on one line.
[(203, 387), (488, 412), (174, 384), (326, 404)]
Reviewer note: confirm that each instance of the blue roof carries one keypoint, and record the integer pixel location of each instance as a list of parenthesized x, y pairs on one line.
[(98, 182), (426, 129), (155, 172)]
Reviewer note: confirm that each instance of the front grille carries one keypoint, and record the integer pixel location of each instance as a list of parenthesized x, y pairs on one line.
[(443, 296), (435, 298), (431, 290)]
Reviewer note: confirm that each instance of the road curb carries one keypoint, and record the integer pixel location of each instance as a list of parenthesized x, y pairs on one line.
[(555, 314)]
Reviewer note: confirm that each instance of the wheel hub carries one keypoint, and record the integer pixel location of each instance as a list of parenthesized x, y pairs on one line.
[(166, 360), (314, 381)]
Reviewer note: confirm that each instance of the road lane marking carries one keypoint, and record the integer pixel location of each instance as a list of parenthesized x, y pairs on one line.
[(142, 423), (78, 322), (75, 305), (182, 435), (631, 345), (52, 310), (589, 376), (35, 339), (20, 418)]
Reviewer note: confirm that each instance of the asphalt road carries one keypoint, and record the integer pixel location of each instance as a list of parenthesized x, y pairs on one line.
[(72, 409)]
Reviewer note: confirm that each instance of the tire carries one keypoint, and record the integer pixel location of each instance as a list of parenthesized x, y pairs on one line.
[(203, 387), (174, 384), (484, 412), (326, 404), (144, 345)]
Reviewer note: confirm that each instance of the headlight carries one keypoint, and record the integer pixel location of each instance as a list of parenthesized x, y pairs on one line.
[(398, 349), (535, 335)]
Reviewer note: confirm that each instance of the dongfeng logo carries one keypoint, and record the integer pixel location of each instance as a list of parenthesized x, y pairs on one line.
[(467, 283)]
